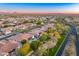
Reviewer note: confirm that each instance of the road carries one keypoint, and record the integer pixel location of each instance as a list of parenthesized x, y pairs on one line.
[(7, 35), (73, 31)]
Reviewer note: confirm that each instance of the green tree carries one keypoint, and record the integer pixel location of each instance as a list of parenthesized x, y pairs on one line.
[(38, 22), (44, 37), (23, 42), (49, 30), (34, 45), (25, 21), (59, 27)]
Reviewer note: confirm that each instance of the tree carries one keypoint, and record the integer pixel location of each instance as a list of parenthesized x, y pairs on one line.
[(59, 27), (43, 37), (40, 51), (23, 42), (34, 45), (38, 22), (56, 35), (25, 21), (22, 51), (49, 30)]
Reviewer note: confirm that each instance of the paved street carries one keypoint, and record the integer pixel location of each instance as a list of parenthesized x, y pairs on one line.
[(71, 32)]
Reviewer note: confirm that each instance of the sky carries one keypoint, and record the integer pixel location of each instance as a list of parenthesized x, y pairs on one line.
[(40, 7)]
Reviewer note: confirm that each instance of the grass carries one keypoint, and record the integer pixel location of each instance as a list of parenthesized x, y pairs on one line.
[(20, 30), (78, 35)]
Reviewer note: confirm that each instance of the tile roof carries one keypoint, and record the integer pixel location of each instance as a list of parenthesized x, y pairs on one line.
[(8, 46), (21, 36)]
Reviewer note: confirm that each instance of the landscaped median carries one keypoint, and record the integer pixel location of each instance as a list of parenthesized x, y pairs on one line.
[(52, 51), (55, 49)]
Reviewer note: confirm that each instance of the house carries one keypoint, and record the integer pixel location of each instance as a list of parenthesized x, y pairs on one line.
[(7, 46), (20, 26), (24, 26), (35, 31), (20, 37), (7, 30)]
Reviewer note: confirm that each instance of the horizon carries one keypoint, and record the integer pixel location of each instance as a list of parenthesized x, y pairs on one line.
[(15, 12)]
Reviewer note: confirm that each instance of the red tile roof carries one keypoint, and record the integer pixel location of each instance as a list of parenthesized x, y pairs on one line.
[(21, 37), (8, 46)]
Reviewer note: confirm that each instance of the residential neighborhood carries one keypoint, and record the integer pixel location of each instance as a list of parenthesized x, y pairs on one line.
[(36, 35)]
